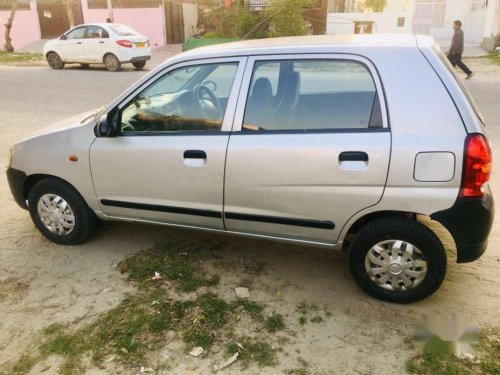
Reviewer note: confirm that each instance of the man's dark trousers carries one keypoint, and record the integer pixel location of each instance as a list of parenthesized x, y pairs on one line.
[(456, 59)]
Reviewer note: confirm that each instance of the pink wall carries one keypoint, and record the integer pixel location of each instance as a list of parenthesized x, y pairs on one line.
[(25, 28), (147, 21)]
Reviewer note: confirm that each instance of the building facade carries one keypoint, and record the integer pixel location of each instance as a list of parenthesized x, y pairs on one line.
[(163, 21), (480, 18)]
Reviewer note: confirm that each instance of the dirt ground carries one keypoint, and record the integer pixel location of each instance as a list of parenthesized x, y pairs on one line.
[(42, 283)]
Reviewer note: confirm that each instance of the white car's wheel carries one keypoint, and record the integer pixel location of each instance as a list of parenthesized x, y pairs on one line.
[(112, 63), (55, 61)]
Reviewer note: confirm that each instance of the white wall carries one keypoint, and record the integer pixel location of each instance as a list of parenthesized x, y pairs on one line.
[(476, 24), (190, 13)]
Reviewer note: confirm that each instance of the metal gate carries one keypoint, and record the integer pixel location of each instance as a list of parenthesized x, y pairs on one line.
[(54, 19), (174, 18)]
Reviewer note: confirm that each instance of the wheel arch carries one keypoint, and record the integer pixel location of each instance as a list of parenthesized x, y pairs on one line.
[(440, 230), (32, 179)]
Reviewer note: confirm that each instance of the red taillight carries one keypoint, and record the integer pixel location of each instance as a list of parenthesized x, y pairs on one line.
[(477, 166), (124, 43)]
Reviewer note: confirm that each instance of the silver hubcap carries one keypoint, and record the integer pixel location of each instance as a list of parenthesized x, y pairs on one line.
[(111, 62), (395, 265), (56, 214)]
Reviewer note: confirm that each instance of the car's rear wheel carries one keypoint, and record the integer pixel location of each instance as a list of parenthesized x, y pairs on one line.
[(60, 213), (397, 260), (139, 65), (55, 61), (112, 63)]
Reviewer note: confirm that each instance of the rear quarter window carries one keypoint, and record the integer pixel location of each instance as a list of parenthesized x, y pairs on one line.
[(460, 82)]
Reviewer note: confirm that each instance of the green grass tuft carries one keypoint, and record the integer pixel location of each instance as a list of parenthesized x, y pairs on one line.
[(254, 351), (275, 323)]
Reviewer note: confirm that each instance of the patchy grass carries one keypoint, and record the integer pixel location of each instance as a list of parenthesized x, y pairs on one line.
[(302, 369), (175, 261), (129, 332), (255, 351), (317, 319), (275, 323), (495, 57), (14, 57), (305, 310), (254, 309), (487, 359)]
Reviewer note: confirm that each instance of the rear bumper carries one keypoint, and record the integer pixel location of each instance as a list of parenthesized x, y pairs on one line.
[(139, 59), (16, 180), (469, 221)]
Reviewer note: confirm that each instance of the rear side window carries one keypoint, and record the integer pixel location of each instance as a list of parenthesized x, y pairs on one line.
[(123, 30), (311, 95), (95, 32)]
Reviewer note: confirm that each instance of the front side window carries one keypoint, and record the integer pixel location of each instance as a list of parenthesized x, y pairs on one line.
[(311, 95), (191, 98), (77, 33)]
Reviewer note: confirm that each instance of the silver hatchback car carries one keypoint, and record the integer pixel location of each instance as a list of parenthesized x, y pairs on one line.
[(338, 141)]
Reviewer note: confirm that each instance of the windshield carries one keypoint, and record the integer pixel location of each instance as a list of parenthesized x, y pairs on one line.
[(123, 30)]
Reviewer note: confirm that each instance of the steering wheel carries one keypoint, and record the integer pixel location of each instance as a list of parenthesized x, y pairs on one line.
[(210, 107)]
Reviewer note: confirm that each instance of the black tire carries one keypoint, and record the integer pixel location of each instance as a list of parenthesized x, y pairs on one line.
[(55, 61), (85, 220), (112, 63), (410, 231), (139, 65)]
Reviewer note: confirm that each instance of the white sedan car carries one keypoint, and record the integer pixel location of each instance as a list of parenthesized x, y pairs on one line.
[(109, 43)]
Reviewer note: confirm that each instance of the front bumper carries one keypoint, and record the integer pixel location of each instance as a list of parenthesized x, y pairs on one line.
[(16, 180), (469, 221)]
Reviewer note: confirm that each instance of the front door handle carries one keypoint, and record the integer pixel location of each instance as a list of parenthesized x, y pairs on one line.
[(78, 42), (101, 41), (195, 154), (353, 156)]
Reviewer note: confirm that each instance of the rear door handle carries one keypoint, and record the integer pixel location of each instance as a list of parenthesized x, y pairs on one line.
[(353, 156), (195, 154), (78, 42), (101, 41)]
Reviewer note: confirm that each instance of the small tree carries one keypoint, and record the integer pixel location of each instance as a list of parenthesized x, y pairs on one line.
[(8, 26), (286, 17), (234, 22), (69, 11)]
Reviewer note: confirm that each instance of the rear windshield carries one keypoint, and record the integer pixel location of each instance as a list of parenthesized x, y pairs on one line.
[(123, 30), (460, 82)]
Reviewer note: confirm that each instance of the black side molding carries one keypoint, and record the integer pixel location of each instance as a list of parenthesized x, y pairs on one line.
[(469, 222), (281, 220), (159, 208), (16, 180)]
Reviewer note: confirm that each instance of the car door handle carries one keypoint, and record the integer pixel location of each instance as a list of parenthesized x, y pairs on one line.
[(102, 41), (195, 154), (353, 156), (78, 42)]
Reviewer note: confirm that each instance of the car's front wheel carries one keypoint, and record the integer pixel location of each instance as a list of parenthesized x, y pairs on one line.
[(397, 260), (60, 212), (55, 61), (139, 65), (112, 63)]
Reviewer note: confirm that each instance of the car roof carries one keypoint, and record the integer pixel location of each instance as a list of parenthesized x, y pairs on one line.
[(298, 43)]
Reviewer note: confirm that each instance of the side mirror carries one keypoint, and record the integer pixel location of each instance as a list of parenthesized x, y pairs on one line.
[(63, 37), (108, 125)]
